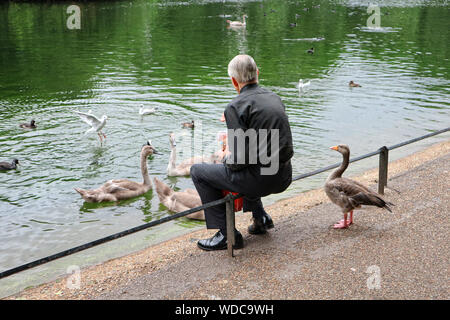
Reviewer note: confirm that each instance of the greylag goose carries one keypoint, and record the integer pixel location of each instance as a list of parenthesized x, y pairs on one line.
[(31, 125), (95, 123), (121, 189), (238, 23), (9, 166), (188, 124), (353, 84), (179, 201), (349, 194)]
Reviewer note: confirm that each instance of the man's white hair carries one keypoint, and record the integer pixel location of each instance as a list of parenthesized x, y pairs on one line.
[(243, 68)]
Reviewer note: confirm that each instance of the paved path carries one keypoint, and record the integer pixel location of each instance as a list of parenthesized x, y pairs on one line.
[(403, 255)]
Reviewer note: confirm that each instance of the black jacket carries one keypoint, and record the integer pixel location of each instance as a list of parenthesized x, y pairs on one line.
[(257, 108)]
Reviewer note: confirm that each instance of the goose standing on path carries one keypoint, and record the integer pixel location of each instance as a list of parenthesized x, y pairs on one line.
[(238, 23), (121, 189), (349, 194), (95, 123), (31, 125), (179, 201), (9, 166)]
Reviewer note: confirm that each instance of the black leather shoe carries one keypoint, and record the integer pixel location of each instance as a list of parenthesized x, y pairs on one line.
[(261, 225), (219, 242)]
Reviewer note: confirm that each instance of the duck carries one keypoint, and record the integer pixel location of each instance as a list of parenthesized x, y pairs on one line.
[(31, 125), (310, 51), (188, 124), (122, 189), (95, 123), (144, 111), (238, 23), (353, 84), (184, 168), (179, 201), (349, 194), (9, 166)]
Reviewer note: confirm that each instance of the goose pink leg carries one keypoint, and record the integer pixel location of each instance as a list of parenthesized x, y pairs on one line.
[(344, 223)]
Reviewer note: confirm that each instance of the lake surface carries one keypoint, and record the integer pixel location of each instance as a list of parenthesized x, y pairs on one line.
[(174, 55)]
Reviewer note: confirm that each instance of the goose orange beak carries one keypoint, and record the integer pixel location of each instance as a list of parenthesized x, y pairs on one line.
[(334, 148)]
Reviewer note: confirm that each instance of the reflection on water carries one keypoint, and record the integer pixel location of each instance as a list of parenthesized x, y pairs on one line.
[(174, 55)]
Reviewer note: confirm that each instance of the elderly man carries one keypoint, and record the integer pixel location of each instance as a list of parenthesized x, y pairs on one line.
[(252, 169)]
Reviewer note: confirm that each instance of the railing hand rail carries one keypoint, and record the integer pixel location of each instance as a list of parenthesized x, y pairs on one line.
[(227, 199)]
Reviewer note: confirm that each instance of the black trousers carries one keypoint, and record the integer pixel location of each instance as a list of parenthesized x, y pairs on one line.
[(211, 179)]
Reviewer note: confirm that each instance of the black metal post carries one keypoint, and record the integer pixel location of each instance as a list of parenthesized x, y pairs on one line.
[(383, 169), (230, 225)]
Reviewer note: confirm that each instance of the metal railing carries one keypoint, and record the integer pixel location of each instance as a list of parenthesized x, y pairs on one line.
[(229, 201)]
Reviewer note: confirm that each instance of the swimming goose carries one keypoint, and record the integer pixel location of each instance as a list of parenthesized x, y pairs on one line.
[(9, 166), (31, 125), (188, 124), (349, 194), (184, 168), (95, 123), (353, 84), (121, 189), (144, 111), (238, 23), (180, 200)]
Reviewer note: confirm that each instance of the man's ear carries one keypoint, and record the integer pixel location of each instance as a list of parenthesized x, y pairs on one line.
[(235, 84)]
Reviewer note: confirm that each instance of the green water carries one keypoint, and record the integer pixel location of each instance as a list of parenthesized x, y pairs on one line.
[(174, 55)]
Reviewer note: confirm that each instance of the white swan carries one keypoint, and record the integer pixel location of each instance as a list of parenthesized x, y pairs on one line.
[(95, 123), (238, 23), (179, 201)]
